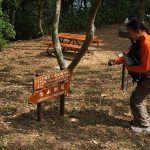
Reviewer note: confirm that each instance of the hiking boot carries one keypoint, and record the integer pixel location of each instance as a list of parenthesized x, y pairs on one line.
[(140, 129), (132, 122)]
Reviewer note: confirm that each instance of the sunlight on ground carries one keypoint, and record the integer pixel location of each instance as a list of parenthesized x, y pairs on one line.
[(97, 112)]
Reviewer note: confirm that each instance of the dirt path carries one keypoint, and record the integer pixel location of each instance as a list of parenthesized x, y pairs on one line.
[(97, 112)]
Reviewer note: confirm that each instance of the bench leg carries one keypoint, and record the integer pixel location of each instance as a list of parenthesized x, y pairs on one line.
[(77, 43), (63, 50), (61, 40), (97, 45), (69, 41), (49, 52)]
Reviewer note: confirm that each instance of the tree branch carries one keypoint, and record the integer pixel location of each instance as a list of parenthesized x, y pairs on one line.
[(89, 35), (57, 47)]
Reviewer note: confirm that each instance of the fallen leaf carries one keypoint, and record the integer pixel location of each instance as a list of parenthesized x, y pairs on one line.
[(128, 114)]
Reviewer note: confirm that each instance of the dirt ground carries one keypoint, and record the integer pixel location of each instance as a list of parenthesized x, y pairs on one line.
[(97, 111)]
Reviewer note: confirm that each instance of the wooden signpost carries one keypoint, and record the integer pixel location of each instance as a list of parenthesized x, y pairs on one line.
[(48, 93), (50, 86), (49, 79)]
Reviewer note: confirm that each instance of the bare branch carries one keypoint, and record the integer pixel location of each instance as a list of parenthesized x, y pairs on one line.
[(89, 35)]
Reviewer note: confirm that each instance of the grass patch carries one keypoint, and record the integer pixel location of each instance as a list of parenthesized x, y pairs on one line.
[(81, 71), (85, 91), (5, 69), (74, 115), (90, 115), (92, 91), (77, 91)]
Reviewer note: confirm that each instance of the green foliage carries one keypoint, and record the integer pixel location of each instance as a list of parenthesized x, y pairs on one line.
[(24, 15), (115, 11), (147, 9), (3, 42), (74, 23), (26, 24), (6, 29), (74, 115), (48, 14)]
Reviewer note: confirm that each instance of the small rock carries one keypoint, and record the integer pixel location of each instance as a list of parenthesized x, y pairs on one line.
[(58, 137), (19, 76), (74, 120), (9, 113), (53, 122), (104, 95), (94, 53), (95, 142), (40, 134)]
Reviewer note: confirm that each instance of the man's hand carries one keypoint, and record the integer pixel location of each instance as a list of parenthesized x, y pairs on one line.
[(112, 62)]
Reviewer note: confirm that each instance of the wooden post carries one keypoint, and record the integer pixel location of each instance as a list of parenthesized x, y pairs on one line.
[(62, 101), (62, 104), (43, 92), (39, 111), (123, 76), (39, 106)]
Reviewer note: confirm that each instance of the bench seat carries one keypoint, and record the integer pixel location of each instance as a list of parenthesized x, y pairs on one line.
[(97, 40), (65, 45)]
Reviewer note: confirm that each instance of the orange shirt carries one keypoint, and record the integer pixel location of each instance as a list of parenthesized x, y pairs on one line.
[(144, 54)]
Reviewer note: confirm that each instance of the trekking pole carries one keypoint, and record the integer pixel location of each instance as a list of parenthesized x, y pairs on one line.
[(127, 82), (123, 76)]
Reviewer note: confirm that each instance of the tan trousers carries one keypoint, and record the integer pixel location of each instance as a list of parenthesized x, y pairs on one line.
[(138, 108)]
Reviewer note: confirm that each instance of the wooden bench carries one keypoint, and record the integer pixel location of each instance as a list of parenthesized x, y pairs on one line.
[(78, 38), (75, 35), (97, 41), (64, 45)]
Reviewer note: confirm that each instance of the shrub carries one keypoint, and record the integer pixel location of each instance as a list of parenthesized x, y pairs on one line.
[(6, 29)]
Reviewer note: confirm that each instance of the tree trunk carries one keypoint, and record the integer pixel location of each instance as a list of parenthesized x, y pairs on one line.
[(89, 35), (65, 6), (85, 4), (13, 10), (57, 47), (40, 16), (71, 3), (13, 15), (142, 10)]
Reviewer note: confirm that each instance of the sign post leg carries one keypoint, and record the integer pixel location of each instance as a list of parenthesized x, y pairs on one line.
[(62, 104), (39, 105), (62, 100), (39, 111)]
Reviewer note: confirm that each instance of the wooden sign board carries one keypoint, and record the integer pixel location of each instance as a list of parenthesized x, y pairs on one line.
[(48, 93), (50, 79)]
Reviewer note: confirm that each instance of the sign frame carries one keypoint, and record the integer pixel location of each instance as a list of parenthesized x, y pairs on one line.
[(48, 93), (43, 81)]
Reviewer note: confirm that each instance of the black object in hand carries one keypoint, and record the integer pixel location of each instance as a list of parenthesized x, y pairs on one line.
[(110, 63)]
